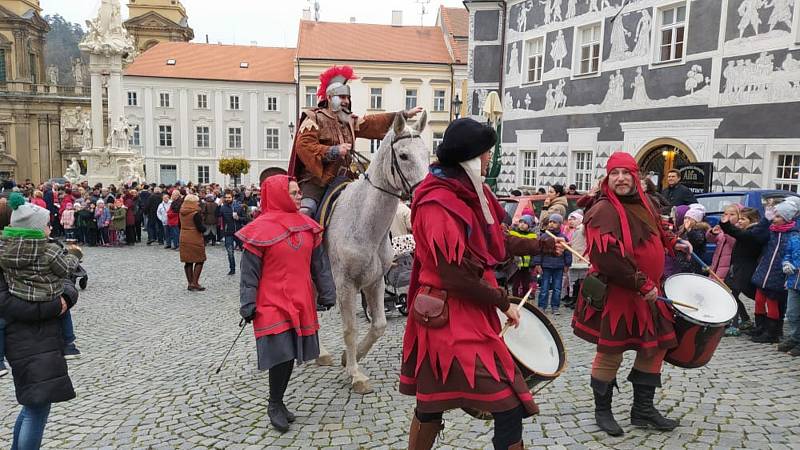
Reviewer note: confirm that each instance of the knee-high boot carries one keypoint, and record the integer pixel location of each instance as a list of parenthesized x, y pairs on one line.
[(643, 411), (198, 269), (603, 396), (423, 434)]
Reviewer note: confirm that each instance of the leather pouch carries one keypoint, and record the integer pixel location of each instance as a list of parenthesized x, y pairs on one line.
[(594, 291), (430, 307)]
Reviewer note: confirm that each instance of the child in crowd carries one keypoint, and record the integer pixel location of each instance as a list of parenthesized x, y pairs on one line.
[(750, 233), (34, 269), (68, 222), (521, 280), (103, 218), (769, 278), (791, 263), (91, 225), (721, 261), (694, 230), (552, 267), (119, 214), (578, 270)]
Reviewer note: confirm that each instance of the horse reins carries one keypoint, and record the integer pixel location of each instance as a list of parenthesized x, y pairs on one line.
[(407, 188)]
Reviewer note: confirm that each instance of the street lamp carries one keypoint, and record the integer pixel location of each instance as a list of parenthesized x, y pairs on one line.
[(457, 106), (291, 130)]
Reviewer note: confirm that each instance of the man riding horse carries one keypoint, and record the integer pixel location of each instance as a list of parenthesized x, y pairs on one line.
[(323, 155)]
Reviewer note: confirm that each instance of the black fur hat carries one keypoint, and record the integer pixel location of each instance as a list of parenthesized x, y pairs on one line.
[(463, 140)]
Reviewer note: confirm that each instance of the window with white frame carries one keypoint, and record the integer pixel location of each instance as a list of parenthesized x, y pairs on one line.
[(202, 101), (534, 60), (583, 170), (203, 135), (787, 174), (589, 39), (272, 103), (374, 145), (164, 100), (438, 99), (165, 135), (234, 103), (376, 98), (528, 168), (437, 139), (411, 98), (311, 96), (271, 138), (135, 138), (672, 32), (133, 98), (235, 137), (203, 174)]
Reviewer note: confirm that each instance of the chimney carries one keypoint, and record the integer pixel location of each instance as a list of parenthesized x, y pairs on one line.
[(352, 19), (306, 13), (397, 18)]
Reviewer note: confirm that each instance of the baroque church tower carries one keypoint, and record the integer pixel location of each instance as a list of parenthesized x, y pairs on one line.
[(154, 21)]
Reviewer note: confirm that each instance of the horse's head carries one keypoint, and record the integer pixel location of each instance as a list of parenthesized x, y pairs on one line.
[(403, 158)]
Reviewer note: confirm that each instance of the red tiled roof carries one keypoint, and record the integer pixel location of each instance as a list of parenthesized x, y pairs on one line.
[(370, 42), (215, 62), (456, 25)]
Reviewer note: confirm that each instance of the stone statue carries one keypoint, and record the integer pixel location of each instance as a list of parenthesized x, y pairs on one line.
[(73, 173), (52, 75), (120, 134), (86, 132), (77, 71), (2, 142), (106, 35)]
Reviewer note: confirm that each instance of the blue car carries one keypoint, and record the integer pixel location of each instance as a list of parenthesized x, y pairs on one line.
[(715, 203)]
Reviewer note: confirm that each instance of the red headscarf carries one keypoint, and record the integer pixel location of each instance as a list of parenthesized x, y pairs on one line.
[(279, 216), (622, 160)]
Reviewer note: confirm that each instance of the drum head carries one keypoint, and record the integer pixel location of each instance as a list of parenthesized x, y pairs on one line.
[(714, 304), (536, 343)]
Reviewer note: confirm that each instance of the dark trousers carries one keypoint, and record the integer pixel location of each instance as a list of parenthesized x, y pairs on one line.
[(229, 248), (507, 426), (155, 231), (130, 234)]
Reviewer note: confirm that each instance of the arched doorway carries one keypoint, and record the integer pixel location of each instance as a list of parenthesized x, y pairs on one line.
[(659, 156)]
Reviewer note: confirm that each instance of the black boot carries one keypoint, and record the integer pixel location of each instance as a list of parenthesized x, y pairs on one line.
[(603, 395), (643, 412), (770, 333), (277, 416), (758, 328)]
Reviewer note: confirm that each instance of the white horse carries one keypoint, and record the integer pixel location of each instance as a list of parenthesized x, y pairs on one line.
[(357, 238)]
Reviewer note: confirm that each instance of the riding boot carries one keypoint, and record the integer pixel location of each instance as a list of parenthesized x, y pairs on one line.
[(198, 269), (603, 395), (277, 416), (758, 319), (770, 332), (643, 412), (187, 269), (423, 434), (322, 277)]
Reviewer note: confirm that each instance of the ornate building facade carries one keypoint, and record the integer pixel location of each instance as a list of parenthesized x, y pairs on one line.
[(31, 102), (667, 81), (154, 21)]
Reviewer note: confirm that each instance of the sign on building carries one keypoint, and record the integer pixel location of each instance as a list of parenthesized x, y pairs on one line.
[(697, 176)]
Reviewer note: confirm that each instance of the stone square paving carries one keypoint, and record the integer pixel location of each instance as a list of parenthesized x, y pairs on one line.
[(151, 348)]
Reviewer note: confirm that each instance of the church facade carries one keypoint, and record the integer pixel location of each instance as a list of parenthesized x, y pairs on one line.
[(670, 82), (154, 21)]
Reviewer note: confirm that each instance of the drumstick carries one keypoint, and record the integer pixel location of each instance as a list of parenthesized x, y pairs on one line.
[(566, 246), (710, 272), (675, 302), (519, 308)]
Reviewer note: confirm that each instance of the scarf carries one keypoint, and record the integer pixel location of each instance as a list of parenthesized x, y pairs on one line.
[(785, 228)]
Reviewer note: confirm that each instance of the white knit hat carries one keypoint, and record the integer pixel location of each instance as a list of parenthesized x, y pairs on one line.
[(27, 215)]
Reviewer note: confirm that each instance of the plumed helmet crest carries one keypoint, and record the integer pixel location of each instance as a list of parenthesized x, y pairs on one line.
[(336, 74)]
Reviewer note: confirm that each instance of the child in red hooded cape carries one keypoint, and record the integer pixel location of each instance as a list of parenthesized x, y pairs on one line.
[(276, 292)]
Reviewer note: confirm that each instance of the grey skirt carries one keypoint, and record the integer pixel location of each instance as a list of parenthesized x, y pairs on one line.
[(275, 349)]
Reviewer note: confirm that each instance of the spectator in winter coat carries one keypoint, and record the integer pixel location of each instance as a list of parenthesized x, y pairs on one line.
[(751, 234), (38, 199), (791, 263), (155, 226), (578, 270), (721, 262), (676, 192), (129, 200), (521, 280), (161, 213), (173, 219), (209, 212), (102, 217), (68, 222), (769, 277), (229, 215), (555, 203), (552, 267)]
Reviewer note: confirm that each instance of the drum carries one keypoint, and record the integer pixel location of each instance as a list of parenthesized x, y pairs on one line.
[(536, 347), (698, 332)]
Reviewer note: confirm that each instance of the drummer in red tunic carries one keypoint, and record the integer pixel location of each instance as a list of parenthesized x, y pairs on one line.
[(626, 247), (276, 293), (457, 229)]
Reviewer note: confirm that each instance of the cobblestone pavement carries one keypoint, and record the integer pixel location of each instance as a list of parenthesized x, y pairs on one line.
[(151, 348)]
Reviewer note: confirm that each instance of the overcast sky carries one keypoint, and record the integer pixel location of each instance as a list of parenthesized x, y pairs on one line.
[(268, 22)]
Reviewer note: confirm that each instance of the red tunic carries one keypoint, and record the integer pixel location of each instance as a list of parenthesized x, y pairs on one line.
[(627, 322), (464, 364), (284, 239)]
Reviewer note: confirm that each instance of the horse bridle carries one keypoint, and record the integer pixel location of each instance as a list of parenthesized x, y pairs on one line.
[(407, 188)]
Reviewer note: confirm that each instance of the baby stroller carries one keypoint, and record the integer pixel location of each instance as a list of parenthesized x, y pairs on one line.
[(398, 277), (79, 275)]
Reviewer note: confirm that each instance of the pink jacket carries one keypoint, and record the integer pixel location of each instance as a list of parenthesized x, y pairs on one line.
[(68, 219), (721, 262)]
